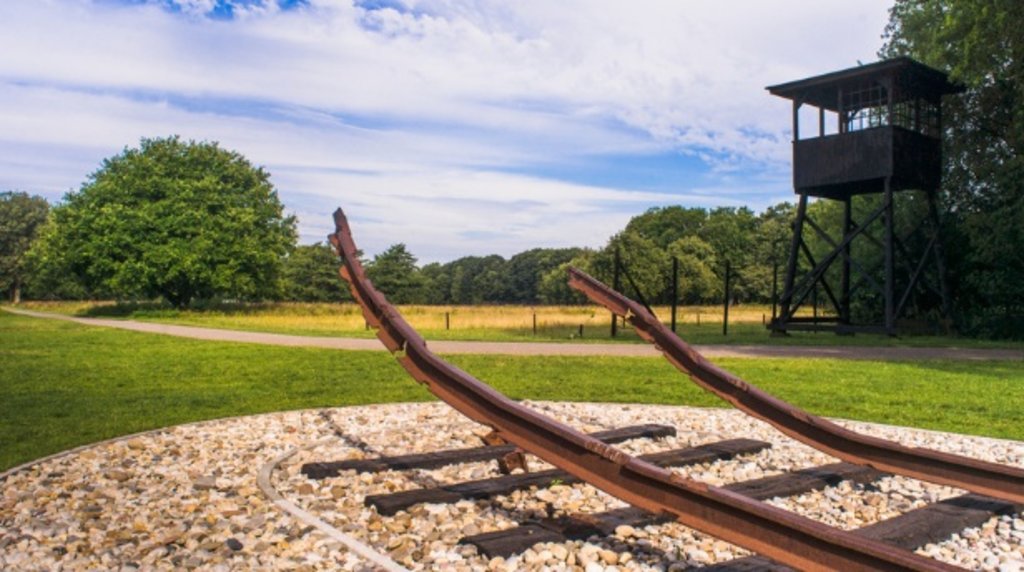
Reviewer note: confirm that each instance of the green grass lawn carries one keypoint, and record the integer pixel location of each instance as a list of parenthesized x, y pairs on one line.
[(63, 384)]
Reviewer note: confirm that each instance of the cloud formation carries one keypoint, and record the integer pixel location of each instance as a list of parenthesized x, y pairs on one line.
[(431, 121)]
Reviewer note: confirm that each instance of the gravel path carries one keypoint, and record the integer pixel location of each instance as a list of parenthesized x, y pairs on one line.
[(189, 497), (526, 348)]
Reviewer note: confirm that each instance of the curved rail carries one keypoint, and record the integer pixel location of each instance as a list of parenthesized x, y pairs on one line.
[(991, 479), (775, 533)]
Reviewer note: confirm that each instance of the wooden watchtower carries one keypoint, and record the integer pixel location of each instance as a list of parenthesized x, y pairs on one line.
[(878, 136)]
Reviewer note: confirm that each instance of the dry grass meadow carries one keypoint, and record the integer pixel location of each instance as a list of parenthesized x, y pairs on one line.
[(485, 322)]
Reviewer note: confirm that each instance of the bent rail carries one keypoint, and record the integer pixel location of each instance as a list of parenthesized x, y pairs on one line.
[(773, 532), (991, 479)]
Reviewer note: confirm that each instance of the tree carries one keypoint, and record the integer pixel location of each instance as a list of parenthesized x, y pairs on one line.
[(181, 220), (697, 279), (554, 284), (731, 232), (645, 267), (526, 270), (310, 274), (490, 283), (665, 225), (21, 217), (476, 280), (981, 44), (769, 251), (394, 273), (437, 284)]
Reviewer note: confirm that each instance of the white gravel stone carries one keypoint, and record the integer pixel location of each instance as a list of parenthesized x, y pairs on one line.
[(186, 497)]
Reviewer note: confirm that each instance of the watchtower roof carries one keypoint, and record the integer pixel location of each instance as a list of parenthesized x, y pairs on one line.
[(909, 78)]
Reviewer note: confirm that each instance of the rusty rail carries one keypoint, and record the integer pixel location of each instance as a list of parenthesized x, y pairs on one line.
[(990, 479), (775, 533)]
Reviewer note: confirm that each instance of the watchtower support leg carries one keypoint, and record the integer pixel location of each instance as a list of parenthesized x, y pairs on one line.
[(890, 259), (933, 212), (794, 255), (844, 294)]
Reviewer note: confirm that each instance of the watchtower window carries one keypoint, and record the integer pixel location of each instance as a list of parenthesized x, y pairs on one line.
[(866, 107), (919, 115)]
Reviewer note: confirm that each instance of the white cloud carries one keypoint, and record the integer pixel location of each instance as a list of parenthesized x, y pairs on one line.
[(426, 108)]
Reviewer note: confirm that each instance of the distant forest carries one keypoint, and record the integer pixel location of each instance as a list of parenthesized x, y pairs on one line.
[(700, 240)]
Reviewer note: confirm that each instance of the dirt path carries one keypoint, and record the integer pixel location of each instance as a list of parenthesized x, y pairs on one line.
[(534, 348)]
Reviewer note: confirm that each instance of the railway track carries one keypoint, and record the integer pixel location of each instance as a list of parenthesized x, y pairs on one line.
[(912, 529), (737, 515)]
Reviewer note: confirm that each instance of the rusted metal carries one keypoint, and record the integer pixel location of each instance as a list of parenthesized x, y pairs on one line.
[(580, 526), (911, 530), (514, 459), (767, 530), (982, 477)]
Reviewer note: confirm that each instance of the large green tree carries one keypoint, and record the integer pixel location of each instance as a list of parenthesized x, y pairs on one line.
[(21, 216), (394, 273), (697, 279), (981, 44), (553, 287), (174, 219), (643, 266), (665, 225), (311, 275)]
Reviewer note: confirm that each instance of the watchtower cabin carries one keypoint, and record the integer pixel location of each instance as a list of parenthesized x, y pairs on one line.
[(877, 136)]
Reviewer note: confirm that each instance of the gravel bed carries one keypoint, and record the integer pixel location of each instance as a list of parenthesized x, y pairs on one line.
[(187, 497)]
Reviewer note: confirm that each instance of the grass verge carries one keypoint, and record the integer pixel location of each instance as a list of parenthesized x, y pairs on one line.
[(63, 385)]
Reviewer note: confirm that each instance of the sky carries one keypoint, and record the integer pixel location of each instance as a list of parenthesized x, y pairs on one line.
[(457, 127)]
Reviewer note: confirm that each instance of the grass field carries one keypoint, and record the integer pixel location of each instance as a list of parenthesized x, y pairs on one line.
[(63, 384), (695, 324)]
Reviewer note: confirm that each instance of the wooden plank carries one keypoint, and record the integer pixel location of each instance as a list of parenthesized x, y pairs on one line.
[(938, 521), (492, 544), (720, 450), (582, 526), (748, 564), (389, 504), (911, 530), (435, 459), (805, 480)]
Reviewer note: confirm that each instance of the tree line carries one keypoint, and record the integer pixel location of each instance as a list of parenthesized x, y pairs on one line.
[(700, 240)]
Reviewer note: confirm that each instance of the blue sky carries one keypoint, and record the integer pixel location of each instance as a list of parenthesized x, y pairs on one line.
[(457, 127)]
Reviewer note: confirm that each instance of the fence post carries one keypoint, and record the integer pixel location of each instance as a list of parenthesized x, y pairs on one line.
[(775, 288), (725, 313), (617, 286), (814, 302), (581, 330), (535, 323), (447, 321), (675, 290)]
